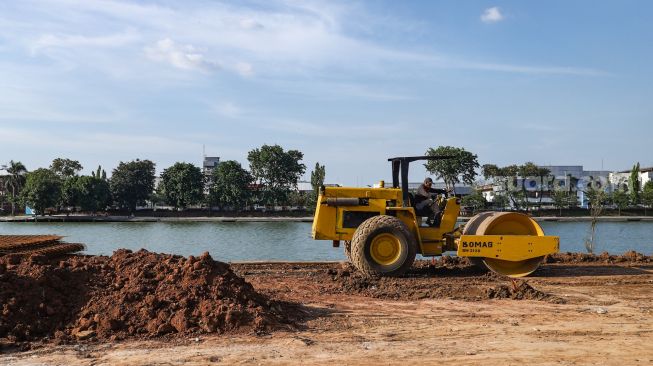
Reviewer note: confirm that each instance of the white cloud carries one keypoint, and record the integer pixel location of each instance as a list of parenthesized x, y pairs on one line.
[(492, 15), (295, 40), (350, 132), (228, 109), (329, 90), (521, 69), (184, 57), (249, 23), (46, 41), (244, 69), (97, 141)]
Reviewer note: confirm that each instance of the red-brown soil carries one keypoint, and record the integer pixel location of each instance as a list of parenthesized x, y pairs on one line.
[(605, 258), (129, 294), (576, 309)]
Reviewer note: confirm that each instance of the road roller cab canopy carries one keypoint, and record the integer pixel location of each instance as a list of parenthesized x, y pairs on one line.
[(400, 168)]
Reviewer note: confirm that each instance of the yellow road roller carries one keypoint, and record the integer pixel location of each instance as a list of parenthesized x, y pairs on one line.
[(382, 231)]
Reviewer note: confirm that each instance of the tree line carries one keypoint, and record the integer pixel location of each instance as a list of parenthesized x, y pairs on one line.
[(271, 180)]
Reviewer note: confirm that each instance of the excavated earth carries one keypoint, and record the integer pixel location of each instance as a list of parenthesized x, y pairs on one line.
[(142, 294), (147, 308)]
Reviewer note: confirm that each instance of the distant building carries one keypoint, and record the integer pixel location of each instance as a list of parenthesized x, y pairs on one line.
[(576, 179), (306, 186), (488, 191), (209, 164), (621, 179), (572, 178)]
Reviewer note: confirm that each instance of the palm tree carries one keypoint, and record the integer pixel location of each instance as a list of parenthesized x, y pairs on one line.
[(15, 181)]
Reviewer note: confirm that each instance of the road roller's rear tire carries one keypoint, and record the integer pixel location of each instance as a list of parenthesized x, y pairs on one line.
[(505, 223), (383, 246)]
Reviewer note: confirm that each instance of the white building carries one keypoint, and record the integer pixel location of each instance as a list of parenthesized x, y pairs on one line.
[(306, 186), (621, 179)]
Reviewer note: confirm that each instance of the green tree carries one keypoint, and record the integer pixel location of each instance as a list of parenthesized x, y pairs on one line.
[(182, 185), (500, 201), (277, 170), (317, 180), (462, 165), (531, 170), (65, 167), (67, 170), (528, 169), (525, 171), (506, 178), (297, 198), (474, 200), (229, 185), (572, 199), (560, 199), (647, 195), (596, 199), (620, 199), (546, 181), (99, 173), (42, 190), (14, 182), (132, 183), (94, 194), (564, 199), (635, 185), (70, 192), (156, 199)]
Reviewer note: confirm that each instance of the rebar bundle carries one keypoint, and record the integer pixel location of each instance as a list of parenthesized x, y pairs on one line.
[(49, 245)]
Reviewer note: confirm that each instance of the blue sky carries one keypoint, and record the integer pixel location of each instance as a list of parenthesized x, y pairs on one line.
[(347, 83)]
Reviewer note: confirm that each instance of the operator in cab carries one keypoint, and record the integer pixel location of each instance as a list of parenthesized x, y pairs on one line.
[(424, 202)]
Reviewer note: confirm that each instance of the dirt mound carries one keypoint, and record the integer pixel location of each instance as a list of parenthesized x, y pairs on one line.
[(447, 278), (128, 294), (603, 258), (520, 291), (38, 298)]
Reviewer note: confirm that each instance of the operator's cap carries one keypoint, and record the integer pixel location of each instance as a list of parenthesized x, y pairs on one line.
[(428, 180)]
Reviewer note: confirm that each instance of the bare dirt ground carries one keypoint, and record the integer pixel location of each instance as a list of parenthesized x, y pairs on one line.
[(572, 311)]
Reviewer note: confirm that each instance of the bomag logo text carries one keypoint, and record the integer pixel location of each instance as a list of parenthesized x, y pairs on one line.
[(477, 244)]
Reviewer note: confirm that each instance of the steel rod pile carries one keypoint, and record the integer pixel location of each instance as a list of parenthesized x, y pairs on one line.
[(49, 245)]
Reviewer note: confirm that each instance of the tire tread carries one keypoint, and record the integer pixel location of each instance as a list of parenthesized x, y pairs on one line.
[(359, 239)]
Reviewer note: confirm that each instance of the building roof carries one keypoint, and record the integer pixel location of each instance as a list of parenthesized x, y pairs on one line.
[(641, 170)]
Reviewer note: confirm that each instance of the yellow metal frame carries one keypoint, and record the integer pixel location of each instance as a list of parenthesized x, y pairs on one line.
[(328, 222), (507, 247), (432, 241)]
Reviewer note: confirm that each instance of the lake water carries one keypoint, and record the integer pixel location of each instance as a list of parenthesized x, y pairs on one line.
[(288, 241)]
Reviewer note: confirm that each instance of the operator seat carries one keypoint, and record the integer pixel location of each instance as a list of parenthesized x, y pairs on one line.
[(424, 212)]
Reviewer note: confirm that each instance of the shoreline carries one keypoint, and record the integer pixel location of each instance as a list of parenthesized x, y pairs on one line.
[(307, 219)]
